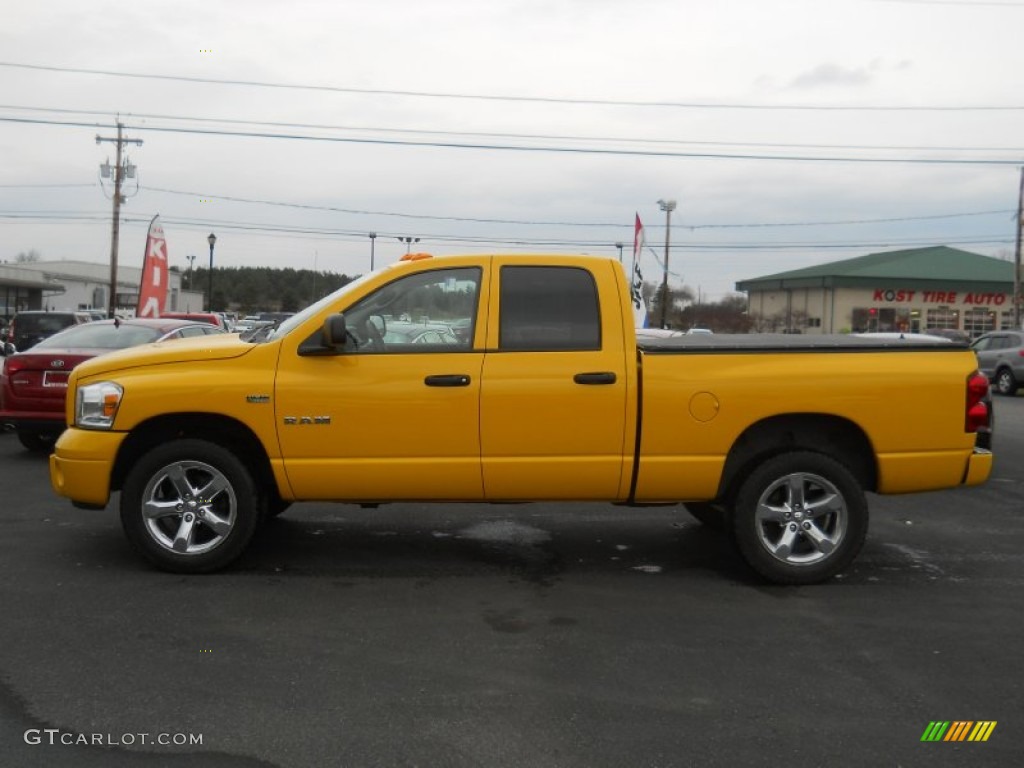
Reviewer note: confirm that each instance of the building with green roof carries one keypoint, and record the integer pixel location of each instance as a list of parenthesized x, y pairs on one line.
[(914, 290)]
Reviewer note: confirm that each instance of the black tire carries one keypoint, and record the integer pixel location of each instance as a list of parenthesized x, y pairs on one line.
[(709, 514), (800, 518), (204, 504), (1006, 382), (37, 442)]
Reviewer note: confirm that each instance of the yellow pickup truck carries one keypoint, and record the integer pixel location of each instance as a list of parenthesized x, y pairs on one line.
[(517, 378)]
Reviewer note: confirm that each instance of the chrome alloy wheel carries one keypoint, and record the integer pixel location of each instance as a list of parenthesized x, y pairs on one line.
[(801, 518), (189, 507)]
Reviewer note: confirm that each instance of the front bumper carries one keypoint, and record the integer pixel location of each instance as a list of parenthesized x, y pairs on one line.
[(82, 463)]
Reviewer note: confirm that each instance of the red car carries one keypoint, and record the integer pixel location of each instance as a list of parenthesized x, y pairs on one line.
[(33, 383), (213, 318)]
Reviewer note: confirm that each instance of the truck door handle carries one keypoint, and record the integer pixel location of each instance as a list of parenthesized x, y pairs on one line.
[(594, 378), (447, 380)]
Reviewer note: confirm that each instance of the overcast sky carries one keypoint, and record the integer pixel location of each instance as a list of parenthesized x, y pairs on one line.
[(395, 117)]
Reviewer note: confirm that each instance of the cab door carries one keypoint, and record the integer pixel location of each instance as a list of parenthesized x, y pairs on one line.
[(383, 418), (554, 394)]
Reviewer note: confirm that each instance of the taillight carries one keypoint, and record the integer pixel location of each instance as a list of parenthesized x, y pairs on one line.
[(13, 365), (977, 412)]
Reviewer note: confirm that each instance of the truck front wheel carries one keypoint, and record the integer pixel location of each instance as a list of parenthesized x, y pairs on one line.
[(190, 506), (800, 518)]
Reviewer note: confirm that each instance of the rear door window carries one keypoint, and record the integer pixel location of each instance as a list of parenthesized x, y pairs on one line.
[(548, 308)]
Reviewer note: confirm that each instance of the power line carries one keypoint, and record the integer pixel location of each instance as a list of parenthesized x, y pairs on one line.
[(514, 148), (516, 99), (522, 222), (972, 3), (270, 229), (43, 186), (506, 135)]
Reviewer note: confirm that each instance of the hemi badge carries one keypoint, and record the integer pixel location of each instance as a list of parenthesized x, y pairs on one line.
[(257, 398)]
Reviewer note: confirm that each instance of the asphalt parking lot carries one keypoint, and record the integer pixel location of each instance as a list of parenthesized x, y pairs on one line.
[(544, 635)]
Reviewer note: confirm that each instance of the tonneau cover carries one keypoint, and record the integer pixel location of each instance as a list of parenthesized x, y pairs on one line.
[(784, 342)]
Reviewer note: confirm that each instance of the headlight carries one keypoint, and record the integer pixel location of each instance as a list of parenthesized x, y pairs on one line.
[(96, 405)]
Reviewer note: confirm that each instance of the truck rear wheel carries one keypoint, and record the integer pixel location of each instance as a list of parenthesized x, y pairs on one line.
[(800, 518), (190, 506)]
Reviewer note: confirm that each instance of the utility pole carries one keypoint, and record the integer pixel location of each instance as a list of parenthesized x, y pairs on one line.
[(120, 171), (1016, 255), (212, 240)]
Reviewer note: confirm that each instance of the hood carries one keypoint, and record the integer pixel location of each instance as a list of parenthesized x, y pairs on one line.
[(198, 349)]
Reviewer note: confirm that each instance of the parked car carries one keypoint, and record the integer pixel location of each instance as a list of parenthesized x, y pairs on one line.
[(29, 328), (657, 333), (33, 383), (1001, 358), (953, 334), (399, 332), (273, 317), (211, 318), (906, 336)]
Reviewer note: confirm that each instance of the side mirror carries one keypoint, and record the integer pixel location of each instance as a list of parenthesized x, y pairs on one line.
[(335, 332), (8, 349)]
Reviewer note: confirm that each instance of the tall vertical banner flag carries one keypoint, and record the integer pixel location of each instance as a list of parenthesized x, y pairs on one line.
[(636, 279), (153, 288)]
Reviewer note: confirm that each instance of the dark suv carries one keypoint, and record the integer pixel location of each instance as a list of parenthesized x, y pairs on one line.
[(29, 328)]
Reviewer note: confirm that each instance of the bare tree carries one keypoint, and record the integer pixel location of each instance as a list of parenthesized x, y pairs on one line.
[(29, 257)]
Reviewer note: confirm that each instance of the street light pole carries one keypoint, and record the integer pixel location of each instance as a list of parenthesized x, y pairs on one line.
[(1016, 256), (408, 243), (373, 239), (212, 240), (620, 246), (667, 206), (191, 260)]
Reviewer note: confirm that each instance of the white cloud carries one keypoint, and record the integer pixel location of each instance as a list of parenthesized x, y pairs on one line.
[(826, 75)]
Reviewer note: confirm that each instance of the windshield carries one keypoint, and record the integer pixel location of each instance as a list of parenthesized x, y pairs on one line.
[(105, 336), (283, 328)]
